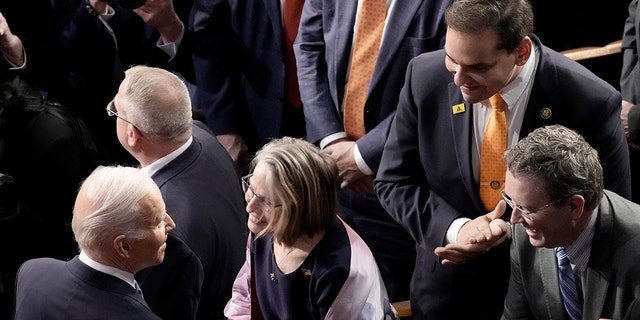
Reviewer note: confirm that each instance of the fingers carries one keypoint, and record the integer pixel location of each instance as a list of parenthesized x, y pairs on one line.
[(499, 210)]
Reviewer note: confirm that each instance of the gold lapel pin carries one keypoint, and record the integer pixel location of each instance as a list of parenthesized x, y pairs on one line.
[(545, 113), (458, 108)]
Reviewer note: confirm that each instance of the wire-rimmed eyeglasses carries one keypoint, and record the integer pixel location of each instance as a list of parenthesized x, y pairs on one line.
[(112, 111), (249, 193), (523, 211)]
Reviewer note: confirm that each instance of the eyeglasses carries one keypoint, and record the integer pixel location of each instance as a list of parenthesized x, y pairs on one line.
[(111, 111), (249, 193), (520, 208)]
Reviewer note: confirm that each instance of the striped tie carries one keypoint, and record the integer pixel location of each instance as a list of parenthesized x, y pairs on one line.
[(568, 286)]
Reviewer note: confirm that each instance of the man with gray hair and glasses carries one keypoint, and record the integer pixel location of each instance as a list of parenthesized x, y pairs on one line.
[(574, 253), (200, 187)]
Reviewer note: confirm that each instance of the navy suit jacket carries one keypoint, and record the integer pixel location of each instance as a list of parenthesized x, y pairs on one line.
[(427, 135), (323, 51), (203, 196), (49, 288), (611, 280), (239, 64)]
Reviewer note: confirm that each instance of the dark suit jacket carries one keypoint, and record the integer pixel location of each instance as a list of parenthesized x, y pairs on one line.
[(239, 64), (427, 135), (630, 78), (611, 280), (207, 248), (323, 51), (54, 289)]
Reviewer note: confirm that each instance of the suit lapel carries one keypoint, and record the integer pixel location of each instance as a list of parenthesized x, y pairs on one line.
[(396, 27), (542, 107), (344, 14), (547, 265), (178, 164), (461, 130), (275, 16), (599, 272)]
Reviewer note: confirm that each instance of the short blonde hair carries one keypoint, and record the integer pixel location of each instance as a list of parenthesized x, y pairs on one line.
[(303, 180)]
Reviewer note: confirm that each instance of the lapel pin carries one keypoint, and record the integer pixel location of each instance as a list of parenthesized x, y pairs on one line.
[(458, 108), (545, 113)]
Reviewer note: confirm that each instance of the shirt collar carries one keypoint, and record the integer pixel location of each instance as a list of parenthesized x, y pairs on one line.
[(158, 164)]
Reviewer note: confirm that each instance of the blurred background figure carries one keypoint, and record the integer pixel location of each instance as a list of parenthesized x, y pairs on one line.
[(46, 151), (121, 225), (105, 38), (630, 90), (200, 188), (303, 261), (246, 71)]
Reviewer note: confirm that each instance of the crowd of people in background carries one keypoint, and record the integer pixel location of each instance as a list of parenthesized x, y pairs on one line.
[(317, 159)]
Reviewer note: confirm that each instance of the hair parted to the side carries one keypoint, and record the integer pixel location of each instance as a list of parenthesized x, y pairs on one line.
[(114, 193), (512, 20), (304, 181), (564, 160)]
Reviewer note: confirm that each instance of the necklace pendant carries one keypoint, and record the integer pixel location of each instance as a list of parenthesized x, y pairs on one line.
[(273, 277)]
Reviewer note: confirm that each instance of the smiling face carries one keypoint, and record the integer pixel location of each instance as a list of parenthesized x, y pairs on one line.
[(478, 67), (548, 226), (259, 206)]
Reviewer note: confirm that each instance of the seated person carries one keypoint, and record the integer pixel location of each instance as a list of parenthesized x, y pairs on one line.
[(575, 245), (302, 259)]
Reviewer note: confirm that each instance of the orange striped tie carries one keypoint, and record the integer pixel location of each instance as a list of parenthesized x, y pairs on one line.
[(492, 166), (363, 60)]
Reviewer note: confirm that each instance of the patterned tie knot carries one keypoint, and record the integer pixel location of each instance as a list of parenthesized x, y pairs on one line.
[(497, 103)]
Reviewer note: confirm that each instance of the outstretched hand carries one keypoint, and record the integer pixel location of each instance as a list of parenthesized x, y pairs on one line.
[(477, 237)]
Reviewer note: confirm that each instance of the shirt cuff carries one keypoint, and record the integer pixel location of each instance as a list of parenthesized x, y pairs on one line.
[(454, 228)]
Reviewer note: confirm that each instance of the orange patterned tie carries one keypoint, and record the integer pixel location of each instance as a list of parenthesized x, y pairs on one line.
[(492, 166), (291, 20), (363, 60)]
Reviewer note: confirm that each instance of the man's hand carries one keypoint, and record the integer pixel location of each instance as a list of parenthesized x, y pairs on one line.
[(10, 44), (624, 117), (342, 152), (161, 15), (477, 237), (237, 149)]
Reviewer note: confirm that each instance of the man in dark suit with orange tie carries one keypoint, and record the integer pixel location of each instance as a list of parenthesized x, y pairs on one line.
[(430, 169)]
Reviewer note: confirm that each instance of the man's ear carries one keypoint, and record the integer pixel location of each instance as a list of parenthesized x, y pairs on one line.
[(576, 203), (523, 51), (133, 136), (121, 246)]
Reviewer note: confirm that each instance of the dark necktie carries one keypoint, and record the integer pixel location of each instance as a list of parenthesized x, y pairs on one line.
[(137, 287), (568, 286)]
